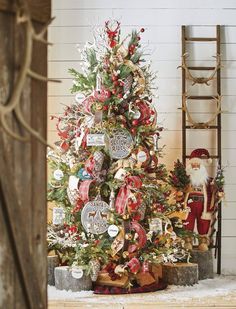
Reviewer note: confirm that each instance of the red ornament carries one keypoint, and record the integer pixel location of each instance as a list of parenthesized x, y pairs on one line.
[(142, 30), (147, 121), (133, 130), (116, 83), (73, 229), (105, 107), (114, 91), (135, 122), (120, 95), (114, 78)]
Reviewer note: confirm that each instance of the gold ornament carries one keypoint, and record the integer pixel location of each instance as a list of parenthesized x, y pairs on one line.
[(125, 254), (128, 236)]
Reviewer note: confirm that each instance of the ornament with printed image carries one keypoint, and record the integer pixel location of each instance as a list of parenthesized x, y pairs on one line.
[(120, 143), (96, 139), (94, 216), (58, 174)]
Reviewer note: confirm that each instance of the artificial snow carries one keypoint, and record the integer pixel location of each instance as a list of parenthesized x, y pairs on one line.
[(219, 286)]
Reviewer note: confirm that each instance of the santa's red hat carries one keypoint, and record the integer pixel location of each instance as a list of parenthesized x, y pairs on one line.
[(197, 155)]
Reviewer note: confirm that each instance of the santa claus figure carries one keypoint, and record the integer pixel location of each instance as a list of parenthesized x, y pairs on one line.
[(199, 196)]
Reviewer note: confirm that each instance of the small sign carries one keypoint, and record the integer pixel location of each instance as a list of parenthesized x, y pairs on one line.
[(77, 272), (58, 174), (57, 215), (113, 230), (155, 225), (96, 139)]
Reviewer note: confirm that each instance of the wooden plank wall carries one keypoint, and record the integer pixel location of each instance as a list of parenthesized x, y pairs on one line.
[(28, 163), (162, 39)]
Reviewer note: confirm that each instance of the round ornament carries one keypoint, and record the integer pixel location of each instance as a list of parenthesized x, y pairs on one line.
[(94, 217), (120, 143), (77, 272), (113, 230), (143, 156), (58, 174)]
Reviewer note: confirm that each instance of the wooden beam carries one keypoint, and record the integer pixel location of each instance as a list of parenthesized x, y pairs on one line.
[(20, 246), (40, 10)]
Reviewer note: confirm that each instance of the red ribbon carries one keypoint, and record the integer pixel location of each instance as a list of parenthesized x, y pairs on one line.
[(123, 195), (142, 237)]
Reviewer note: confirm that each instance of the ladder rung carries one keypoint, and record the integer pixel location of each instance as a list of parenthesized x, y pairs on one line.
[(201, 128), (202, 68), (200, 39), (212, 157), (202, 97)]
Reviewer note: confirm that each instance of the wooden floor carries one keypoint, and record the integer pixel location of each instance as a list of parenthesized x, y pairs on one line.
[(113, 302)]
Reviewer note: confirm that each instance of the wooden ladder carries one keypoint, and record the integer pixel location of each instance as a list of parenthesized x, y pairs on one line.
[(217, 127)]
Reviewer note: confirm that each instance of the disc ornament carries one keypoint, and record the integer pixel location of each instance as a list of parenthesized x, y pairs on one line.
[(120, 143), (94, 217)]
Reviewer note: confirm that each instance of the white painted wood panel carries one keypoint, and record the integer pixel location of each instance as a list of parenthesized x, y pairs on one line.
[(162, 39)]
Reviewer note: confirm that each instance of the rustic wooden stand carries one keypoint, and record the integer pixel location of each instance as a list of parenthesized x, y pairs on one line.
[(185, 40), (180, 273)]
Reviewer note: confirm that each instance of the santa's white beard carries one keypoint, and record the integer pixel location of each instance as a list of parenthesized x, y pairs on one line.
[(197, 176)]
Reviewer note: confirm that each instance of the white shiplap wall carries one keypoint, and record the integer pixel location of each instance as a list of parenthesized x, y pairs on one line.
[(162, 38)]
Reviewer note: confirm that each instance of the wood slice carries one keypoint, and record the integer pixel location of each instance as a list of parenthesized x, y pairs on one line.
[(65, 281), (53, 262), (204, 259), (180, 273)]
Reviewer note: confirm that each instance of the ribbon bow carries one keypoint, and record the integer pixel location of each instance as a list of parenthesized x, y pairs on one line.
[(131, 182)]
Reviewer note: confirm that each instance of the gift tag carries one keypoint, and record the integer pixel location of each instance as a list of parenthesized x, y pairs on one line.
[(58, 174), (77, 272), (73, 182), (142, 156), (113, 230), (96, 140), (57, 215)]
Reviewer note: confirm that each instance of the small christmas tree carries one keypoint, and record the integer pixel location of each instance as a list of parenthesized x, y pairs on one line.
[(178, 177), (111, 194)]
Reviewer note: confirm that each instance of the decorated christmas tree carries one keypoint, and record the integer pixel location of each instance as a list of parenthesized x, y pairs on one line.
[(114, 216)]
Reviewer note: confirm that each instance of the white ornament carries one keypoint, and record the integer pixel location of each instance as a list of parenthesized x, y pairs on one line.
[(113, 230), (58, 174), (77, 272), (141, 156)]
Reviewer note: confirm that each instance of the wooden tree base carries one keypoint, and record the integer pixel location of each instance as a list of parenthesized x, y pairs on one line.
[(65, 281), (53, 262), (180, 273), (204, 259)]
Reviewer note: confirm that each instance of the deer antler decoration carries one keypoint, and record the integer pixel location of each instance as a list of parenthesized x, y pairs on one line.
[(23, 18), (199, 80)]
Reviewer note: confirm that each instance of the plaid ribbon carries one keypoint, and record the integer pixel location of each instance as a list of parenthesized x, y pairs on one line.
[(88, 102), (84, 189), (123, 195)]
